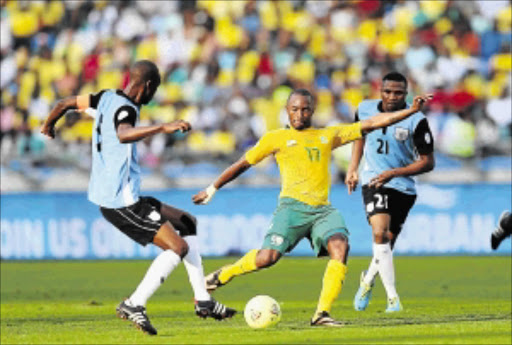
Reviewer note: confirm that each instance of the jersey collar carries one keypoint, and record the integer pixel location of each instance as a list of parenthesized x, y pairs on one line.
[(122, 94)]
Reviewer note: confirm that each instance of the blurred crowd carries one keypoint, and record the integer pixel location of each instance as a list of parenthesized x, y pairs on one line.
[(228, 67)]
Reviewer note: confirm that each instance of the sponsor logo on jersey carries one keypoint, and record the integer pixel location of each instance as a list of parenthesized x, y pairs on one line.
[(323, 140), (401, 133), (291, 143)]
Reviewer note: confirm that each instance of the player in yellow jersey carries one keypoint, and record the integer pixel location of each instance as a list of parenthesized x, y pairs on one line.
[(303, 154)]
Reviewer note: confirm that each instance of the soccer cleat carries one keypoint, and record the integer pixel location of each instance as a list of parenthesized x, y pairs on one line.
[(324, 319), (213, 309), (213, 282), (499, 234), (137, 315), (363, 295), (394, 305)]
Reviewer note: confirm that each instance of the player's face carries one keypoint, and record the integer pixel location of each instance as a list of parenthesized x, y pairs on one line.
[(300, 110), (393, 95)]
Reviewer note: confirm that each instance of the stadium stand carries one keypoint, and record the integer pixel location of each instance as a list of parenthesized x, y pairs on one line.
[(228, 68)]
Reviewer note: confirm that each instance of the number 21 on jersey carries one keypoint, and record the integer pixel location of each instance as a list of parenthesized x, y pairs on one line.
[(383, 147)]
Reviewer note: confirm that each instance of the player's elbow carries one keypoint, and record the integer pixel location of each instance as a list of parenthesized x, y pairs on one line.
[(429, 164), (66, 104), (123, 137), (368, 125), (124, 134)]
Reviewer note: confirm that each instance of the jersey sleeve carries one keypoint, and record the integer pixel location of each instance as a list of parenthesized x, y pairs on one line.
[(263, 148), (89, 101), (125, 114), (423, 139), (346, 133)]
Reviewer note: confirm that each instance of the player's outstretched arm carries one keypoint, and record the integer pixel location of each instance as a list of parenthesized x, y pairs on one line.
[(127, 133), (228, 175), (424, 164), (56, 113), (386, 119), (352, 177)]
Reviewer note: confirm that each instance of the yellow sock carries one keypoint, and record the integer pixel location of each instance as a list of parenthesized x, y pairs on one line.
[(245, 265), (333, 280)]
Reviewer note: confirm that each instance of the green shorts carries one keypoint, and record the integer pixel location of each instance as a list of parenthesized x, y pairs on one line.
[(293, 220)]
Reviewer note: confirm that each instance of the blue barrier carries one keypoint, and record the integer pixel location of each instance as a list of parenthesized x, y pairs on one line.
[(447, 219)]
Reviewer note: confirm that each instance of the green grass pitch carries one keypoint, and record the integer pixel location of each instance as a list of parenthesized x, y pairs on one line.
[(447, 300)]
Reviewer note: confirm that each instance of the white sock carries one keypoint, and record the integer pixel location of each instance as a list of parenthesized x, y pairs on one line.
[(373, 269), (384, 254), (194, 266), (159, 270)]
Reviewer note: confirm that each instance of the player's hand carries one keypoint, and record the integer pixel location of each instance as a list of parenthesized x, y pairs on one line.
[(48, 130), (419, 101), (178, 125), (351, 181), (383, 178), (204, 196)]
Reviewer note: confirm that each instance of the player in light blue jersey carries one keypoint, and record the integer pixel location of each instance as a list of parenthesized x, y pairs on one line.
[(115, 183), (392, 156)]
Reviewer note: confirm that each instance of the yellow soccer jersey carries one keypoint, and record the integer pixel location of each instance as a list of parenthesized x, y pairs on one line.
[(303, 158)]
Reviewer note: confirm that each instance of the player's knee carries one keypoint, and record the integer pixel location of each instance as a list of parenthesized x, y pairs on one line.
[(267, 258), (182, 249), (380, 235), (338, 247)]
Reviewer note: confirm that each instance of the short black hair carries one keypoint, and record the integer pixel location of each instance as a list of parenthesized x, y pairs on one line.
[(301, 92), (147, 70), (395, 76)]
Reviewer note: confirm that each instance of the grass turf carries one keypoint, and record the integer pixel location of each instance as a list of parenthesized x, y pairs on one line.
[(456, 300)]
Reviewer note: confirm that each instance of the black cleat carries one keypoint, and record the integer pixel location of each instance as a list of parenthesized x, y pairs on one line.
[(324, 319), (137, 315), (213, 282), (213, 309), (501, 232)]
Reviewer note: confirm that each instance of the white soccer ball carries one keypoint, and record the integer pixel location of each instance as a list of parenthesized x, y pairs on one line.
[(262, 312)]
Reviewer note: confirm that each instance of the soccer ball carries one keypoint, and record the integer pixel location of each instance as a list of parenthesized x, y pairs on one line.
[(262, 312)]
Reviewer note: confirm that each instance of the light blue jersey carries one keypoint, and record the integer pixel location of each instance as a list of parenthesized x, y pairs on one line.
[(393, 147), (115, 175)]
